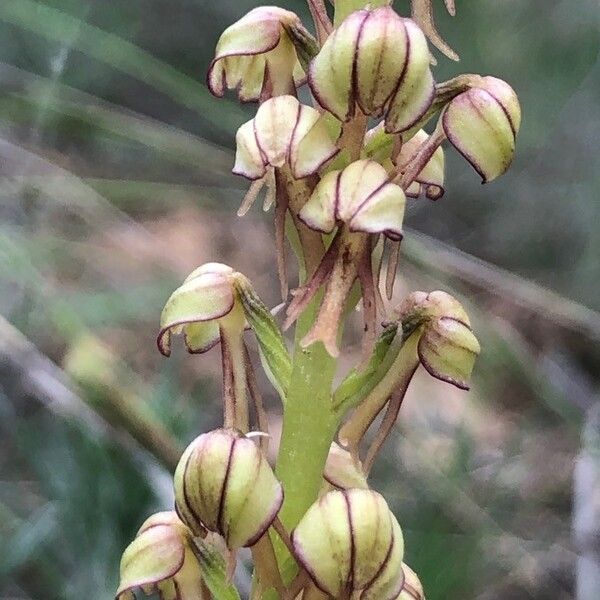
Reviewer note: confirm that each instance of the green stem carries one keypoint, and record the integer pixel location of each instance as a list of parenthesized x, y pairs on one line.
[(309, 425)]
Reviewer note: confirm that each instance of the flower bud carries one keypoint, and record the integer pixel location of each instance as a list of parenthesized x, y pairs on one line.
[(379, 61), (344, 471), (283, 132), (351, 545), (361, 197), (447, 347), (198, 307), (430, 181), (482, 124), (160, 560), (256, 56), (412, 588), (224, 484)]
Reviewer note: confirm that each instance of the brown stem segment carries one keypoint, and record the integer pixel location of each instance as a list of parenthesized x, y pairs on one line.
[(392, 267), (321, 19), (297, 192), (343, 275), (233, 354), (386, 427), (259, 407), (369, 301), (408, 172), (281, 208), (265, 562), (303, 295)]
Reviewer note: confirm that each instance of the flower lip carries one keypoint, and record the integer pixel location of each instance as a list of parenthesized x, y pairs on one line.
[(158, 533)]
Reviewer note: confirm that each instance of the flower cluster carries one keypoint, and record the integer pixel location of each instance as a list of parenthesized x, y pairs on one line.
[(339, 190)]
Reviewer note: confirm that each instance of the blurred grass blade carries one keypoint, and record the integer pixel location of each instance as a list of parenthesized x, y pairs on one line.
[(120, 54)]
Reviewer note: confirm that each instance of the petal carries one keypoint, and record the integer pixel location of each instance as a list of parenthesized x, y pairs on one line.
[(274, 126), (430, 180), (330, 73), (448, 349), (382, 212), (253, 497), (358, 182), (507, 97), (200, 479), (387, 584), (416, 88), (319, 212), (189, 579), (249, 160), (412, 588), (342, 470), (373, 536), (312, 143), (323, 543), (201, 337), (382, 51), (204, 297), (155, 555), (479, 127)]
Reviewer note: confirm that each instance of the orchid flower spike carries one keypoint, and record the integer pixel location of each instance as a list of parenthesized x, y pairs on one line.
[(482, 124), (359, 201), (351, 546), (223, 483), (257, 57), (378, 61), (160, 560)]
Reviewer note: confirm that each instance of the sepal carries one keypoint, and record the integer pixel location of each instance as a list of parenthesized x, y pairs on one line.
[(359, 196), (350, 544), (400, 87), (482, 124), (223, 483)]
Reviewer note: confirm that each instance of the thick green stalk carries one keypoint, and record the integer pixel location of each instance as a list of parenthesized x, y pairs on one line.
[(309, 423), (344, 7)]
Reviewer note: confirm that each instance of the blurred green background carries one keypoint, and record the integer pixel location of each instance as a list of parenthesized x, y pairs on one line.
[(115, 183)]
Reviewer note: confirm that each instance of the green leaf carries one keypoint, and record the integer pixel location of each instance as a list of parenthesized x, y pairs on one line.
[(274, 353), (213, 570), (358, 382)]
